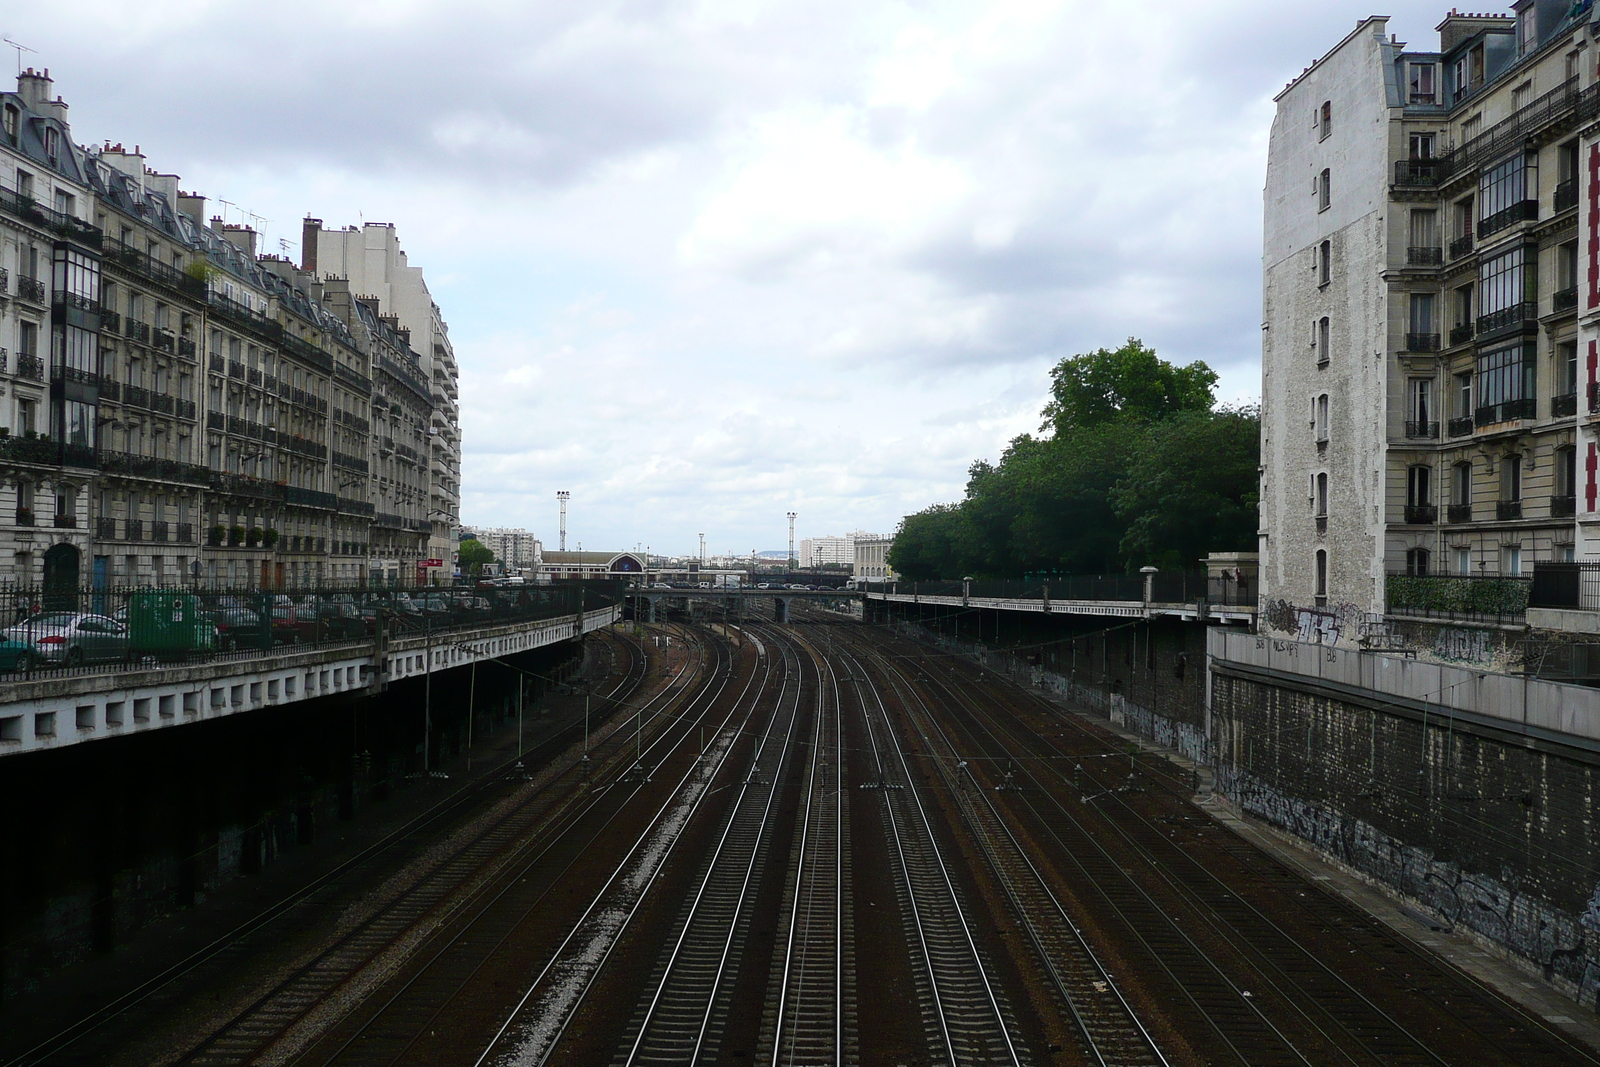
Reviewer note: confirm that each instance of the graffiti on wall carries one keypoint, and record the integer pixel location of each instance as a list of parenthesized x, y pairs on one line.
[(1317, 627), (1463, 646)]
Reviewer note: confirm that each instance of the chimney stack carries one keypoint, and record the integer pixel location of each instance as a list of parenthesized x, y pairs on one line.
[(308, 243), (241, 237), (34, 88)]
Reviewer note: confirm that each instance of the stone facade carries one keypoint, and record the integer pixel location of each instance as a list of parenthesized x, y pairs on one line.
[(176, 406), (1420, 361)]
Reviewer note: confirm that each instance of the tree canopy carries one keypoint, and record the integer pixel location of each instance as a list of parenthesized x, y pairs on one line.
[(473, 555), (1139, 467)]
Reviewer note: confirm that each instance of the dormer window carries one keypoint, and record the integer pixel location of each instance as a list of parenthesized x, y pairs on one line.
[(12, 117), (1422, 83), (52, 143)]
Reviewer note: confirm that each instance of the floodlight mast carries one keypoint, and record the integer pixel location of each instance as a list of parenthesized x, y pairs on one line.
[(563, 496)]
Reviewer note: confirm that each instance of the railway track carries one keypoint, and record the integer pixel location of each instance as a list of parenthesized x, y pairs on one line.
[(93, 1037), (1110, 1029), (320, 988), (1336, 1017), (964, 1011), (810, 994), (680, 1019)]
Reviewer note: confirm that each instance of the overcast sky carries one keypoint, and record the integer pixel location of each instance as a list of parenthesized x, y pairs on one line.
[(707, 263)]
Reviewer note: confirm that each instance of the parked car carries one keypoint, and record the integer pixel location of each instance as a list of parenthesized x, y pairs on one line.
[(292, 625), (68, 638), (341, 621), (239, 628)]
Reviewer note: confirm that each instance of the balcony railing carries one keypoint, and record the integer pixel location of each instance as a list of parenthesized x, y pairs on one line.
[(158, 530), (24, 516), (1422, 430), (1420, 172), (1522, 211), (1461, 246), (135, 330), (30, 289), (1460, 427), (186, 347), (1460, 335), (105, 529), (5, 280), (217, 364), (1564, 299), (135, 529), (1424, 256), (30, 367), (76, 375), (1594, 397), (1566, 195), (1506, 510), (236, 369), (110, 321), (165, 341), (1506, 411), (1514, 317), (1422, 342), (1562, 507), (152, 269), (170, 470), (74, 302), (25, 207), (185, 533), (1458, 513), (1563, 405), (66, 522), (1421, 514)]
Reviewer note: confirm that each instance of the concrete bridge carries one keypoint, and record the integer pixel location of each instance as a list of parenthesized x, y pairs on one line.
[(645, 602)]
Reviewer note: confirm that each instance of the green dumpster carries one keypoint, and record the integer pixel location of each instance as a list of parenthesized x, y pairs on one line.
[(168, 622)]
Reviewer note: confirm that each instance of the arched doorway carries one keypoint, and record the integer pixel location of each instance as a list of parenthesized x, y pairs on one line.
[(61, 578)]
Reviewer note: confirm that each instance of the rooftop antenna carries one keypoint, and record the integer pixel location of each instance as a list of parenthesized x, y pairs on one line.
[(21, 48)]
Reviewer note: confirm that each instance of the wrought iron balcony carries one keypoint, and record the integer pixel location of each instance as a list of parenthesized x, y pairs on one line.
[(216, 363), (1422, 342), (1422, 430), (236, 369), (1514, 317), (1421, 171), (1594, 397), (1460, 335), (1522, 211), (135, 529), (1564, 299), (1563, 405), (66, 522), (1566, 195), (30, 367), (1506, 411), (75, 375), (105, 529), (135, 330), (165, 340), (1424, 256), (1421, 514), (110, 321), (1460, 427), (185, 533), (5, 280), (158, 530), (31, 290), (24, 516), (1458, 513), (1563, 506), (253, 376), (1461, 246), (186, 347), (1508, 509)]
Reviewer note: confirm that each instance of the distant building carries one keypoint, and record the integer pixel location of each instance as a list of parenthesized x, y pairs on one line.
[(821, 551), (557, 565), (516, 549), (871, 558)]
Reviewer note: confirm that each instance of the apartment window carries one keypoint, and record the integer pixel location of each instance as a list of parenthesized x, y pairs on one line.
[(1422, 313), (1463, 556), (1463, 391), (1511, 560), (1324, 262), (1420, 405), (1463, 316), (1504, 286), (1319, 417), (1462, 214), (1461, 485), (27, 339), (1421, 83), (1320, 340), (1417, 561), (1322, 572), (1324, 189), (1424, 228), (13, 118), (1419, 487), (1325, 120), (27, 416), (1566, 472), (1511, 479), (65, 202), (1319, 495), (1503, 189), (1574, 63), (1567, 273), (52, 143), (1567, 367), (1505, 375)]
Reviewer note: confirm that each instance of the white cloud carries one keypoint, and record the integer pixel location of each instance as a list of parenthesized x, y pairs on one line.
[(707, 262)]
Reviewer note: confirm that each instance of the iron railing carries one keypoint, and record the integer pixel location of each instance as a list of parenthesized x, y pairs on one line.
[(1570, 585), (1461, 334), (1562, 507), (1458, 513), (1466, 597), (1424, 256), (30, 210), (1566, 195), (1421, 514), (1506, 411), (204, 623), (1422, 342), (30, 289), (1461, 246), (1166, 587), (1461, 426), (1563, 405), (1564, 299), (1511, 318), (1422, 430), (1506, 510)]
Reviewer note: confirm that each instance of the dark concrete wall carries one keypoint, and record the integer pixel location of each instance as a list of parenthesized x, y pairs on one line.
[(1492, 833), (105, 837), (1148, 676)]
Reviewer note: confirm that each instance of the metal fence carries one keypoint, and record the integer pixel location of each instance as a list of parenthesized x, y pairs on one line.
[(53, 631), (1463, 597), (1575, 586), (1166, 587)]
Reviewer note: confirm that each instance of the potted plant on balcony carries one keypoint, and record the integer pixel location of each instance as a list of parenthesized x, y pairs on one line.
[(24, 516), (269, 537), (252, 537), (219, 533), (236, 536)]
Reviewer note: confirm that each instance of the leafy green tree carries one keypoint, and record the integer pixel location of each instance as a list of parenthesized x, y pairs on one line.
[(925, 545), (1192, 487), (474, 554), (1131, 382)]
